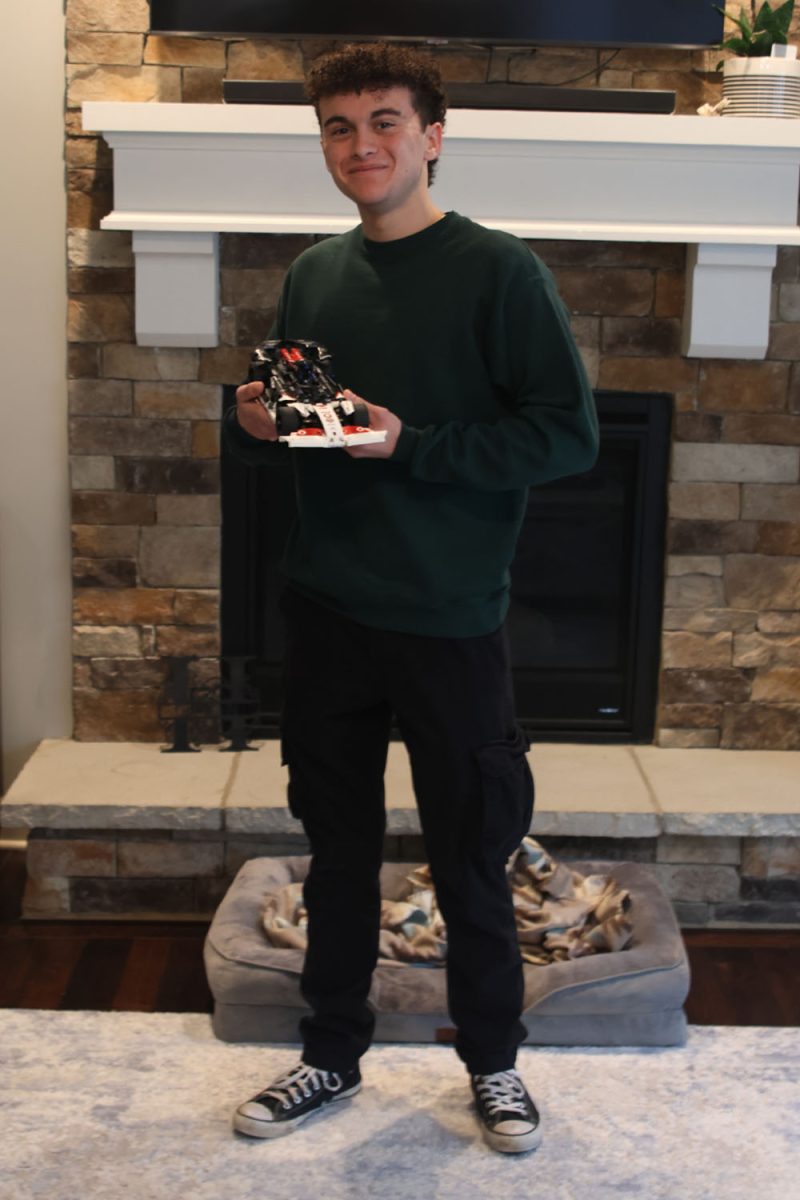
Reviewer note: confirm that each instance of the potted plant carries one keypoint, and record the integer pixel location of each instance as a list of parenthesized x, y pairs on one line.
[(763, 80)]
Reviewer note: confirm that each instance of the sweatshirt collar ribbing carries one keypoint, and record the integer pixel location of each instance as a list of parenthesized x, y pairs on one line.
[(406, 247)]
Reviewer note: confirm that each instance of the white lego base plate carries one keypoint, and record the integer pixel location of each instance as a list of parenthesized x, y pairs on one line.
[(352, 435)]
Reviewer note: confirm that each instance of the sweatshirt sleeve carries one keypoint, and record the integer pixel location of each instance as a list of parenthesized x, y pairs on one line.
[(254, 452), (548, 424)]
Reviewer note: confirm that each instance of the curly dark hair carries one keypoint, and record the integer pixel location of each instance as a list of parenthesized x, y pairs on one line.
[(369, 67)]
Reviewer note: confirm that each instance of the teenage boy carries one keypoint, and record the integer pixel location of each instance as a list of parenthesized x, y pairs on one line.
[(398, 577)]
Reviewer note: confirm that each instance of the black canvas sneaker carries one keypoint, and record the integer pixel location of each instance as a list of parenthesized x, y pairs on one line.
[(506, 1112), (292, 1098)]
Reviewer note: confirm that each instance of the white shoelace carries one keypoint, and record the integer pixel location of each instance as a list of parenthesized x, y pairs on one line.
[(302, 1082), (502, 1092)]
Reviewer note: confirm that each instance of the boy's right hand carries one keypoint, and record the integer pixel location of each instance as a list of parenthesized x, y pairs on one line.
[(251, 414)]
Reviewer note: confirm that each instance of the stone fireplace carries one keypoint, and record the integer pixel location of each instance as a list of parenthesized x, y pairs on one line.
[(118, 828), (144, 417)]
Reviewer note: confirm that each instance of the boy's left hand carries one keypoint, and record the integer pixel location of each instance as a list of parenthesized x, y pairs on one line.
[(379, 418)]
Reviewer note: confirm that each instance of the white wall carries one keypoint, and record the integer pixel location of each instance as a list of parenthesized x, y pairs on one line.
[(35, 586)]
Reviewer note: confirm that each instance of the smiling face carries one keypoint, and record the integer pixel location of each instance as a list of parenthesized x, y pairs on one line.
[(377, 151)]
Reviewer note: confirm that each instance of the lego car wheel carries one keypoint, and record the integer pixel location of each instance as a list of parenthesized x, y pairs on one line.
[(360, 414), (287, 419)]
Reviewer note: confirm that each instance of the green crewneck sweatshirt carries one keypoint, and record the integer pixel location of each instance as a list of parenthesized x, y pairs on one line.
[(460, 332)]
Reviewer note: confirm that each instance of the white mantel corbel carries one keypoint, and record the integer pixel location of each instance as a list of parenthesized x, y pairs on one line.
[(177, 288), (726, 187)]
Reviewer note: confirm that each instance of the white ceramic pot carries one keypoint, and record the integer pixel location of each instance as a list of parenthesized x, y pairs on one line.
[(762, 87)]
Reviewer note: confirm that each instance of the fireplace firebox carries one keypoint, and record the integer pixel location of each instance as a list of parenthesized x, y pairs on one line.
[(587, 582)]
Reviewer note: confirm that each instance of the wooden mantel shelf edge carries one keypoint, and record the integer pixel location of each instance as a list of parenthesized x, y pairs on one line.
[(725, 187)]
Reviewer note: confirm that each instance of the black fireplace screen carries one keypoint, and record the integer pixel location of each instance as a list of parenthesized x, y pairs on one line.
[(585, 617)]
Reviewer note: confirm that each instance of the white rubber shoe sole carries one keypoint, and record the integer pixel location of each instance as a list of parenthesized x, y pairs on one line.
[(513, 1143), (253, 1125)]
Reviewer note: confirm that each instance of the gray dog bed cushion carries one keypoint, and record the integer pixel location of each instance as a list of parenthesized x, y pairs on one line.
[(632, 997)]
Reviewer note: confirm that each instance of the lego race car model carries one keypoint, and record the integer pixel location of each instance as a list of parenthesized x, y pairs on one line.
[(305, 401)]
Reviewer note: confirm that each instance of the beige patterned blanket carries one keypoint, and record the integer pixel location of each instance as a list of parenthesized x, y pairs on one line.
[(560, 913)]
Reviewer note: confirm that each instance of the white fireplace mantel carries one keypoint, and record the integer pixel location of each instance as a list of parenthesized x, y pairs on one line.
[(726, 187)]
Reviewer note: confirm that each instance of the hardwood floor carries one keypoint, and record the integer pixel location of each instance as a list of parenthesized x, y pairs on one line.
[(123, 966), (739, 977), (743, 977)]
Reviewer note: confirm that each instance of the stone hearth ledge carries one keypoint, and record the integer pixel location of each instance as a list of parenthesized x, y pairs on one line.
[(581, 790), (117, 785)]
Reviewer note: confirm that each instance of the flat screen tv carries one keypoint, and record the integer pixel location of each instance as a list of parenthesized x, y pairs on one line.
[(682, 23)]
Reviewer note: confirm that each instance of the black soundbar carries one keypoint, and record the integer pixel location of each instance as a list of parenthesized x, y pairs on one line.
[(521, 96)]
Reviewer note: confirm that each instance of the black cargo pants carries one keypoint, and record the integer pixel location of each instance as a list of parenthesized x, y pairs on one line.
[(452, 700)]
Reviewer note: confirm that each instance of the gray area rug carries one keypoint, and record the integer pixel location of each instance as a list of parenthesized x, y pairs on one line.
[(138, 1106)]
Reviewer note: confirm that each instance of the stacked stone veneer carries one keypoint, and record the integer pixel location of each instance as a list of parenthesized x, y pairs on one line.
[(144, 422), (185, 873)]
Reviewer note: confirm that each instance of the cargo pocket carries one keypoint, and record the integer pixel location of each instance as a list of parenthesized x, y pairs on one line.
[(507, 794)]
